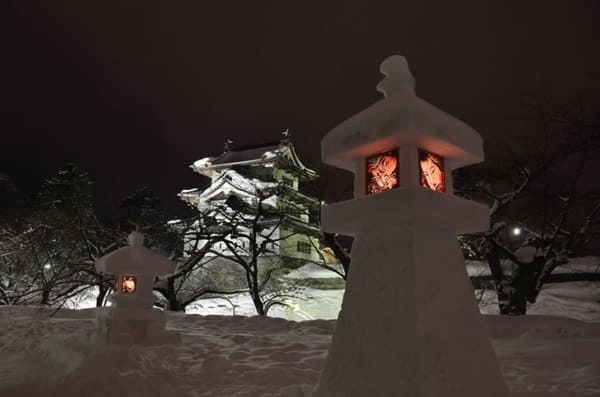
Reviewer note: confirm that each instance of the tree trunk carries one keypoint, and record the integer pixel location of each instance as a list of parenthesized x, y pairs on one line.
[(541, 272), (45, 296), (501, 283), (174, 304), (338, 251), (102, 292), (523, 286), (173, 301), (258, 304)]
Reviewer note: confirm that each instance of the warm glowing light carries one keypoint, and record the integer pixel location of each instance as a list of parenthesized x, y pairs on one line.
[(516, 231), (432, 172), (382, 172), (128, 284)]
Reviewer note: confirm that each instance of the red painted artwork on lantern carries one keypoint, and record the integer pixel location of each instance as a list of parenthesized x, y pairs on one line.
[(382, 172), (432, 172), (128, 285)]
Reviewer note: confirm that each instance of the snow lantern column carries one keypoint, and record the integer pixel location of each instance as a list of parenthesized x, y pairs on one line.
[(132, 319), (409, 324)]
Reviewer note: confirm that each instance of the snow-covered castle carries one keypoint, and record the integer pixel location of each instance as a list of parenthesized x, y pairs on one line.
[(243, 173)]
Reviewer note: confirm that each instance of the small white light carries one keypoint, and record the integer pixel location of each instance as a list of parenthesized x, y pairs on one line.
[(516, 231), (47, 266)]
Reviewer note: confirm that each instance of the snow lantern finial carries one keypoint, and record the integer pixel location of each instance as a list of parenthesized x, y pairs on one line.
[(398, 78), (136, 239)]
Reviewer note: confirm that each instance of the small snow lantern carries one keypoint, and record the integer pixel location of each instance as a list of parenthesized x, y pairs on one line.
[(132, 318)]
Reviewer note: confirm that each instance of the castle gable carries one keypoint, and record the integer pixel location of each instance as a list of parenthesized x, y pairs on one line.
[(280, 154)]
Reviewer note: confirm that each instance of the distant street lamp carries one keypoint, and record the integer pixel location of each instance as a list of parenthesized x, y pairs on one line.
[(516, 231), (47, 266)]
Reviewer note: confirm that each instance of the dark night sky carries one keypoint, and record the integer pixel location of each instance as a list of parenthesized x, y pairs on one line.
[(134, 92)]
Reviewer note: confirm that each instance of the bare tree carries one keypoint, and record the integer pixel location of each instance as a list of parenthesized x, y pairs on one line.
[(245, 228), (49, 250), (546, 191), (177, 239), (339, 245)]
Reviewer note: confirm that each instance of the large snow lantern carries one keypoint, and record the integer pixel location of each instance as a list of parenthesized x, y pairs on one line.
[(409, 324)]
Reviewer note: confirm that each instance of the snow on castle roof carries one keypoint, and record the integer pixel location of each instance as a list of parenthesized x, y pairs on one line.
[(266, 153), (241, 155), (205, 162), (237, 182), (249, 153)]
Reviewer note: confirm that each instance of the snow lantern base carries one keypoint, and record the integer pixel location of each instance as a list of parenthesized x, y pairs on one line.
[(124, 326), (409, 324)]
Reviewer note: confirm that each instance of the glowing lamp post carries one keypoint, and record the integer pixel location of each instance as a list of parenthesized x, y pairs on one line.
[(132, 318), (409, 324)]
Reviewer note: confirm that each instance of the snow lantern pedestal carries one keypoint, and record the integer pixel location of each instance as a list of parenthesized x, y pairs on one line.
[(409, 324), (132, 319)]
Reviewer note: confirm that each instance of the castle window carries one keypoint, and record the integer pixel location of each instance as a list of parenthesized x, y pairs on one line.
[(295, 211), (303, 246)]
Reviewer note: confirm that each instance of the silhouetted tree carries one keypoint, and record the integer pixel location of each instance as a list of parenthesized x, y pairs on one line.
[(51, 248), (547, 188)]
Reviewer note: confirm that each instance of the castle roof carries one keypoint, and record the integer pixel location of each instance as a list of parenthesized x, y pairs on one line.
[(248, 153), (281, 153)]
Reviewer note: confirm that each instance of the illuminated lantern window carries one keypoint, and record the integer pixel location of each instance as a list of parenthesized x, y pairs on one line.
[(432, 171), (382, 172), (128, 284)]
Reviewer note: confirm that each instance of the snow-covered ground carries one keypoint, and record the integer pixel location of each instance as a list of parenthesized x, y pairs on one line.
[(578, 300), (253, 356), (552, 353), (311, 304)]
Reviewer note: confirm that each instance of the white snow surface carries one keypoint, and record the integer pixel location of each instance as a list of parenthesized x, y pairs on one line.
[(191, 190), (268, 155), (237, 182), (204, 162), (552, 352), (253, 356)]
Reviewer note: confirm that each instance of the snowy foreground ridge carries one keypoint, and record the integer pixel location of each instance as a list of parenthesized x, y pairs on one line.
[(253, 356)]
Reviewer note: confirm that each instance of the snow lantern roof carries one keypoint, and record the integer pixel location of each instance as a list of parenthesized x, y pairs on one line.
[(135, 259), (401, 119)]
